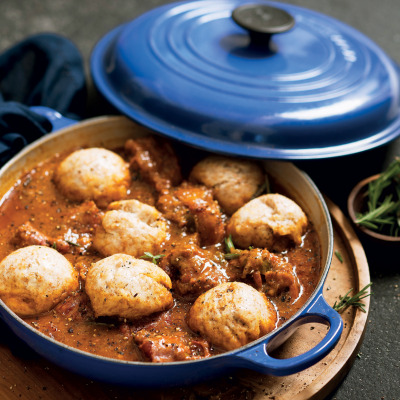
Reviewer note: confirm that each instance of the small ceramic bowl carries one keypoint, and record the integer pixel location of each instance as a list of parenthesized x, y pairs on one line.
[(355, 203)]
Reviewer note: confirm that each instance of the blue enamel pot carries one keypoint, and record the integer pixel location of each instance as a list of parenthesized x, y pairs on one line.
[(112, 132)]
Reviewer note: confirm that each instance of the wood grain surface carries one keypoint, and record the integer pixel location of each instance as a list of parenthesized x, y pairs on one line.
[(25, 375)]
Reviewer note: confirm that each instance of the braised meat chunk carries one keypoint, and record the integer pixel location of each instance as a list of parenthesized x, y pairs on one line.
[(75, 233), (76, 307), (159, 347), (27, 235), (278, 274), (155, 160), (194, 270), (193, 207)]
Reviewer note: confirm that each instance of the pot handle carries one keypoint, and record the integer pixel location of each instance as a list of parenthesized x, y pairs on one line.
[(257, 358), (55, 118)]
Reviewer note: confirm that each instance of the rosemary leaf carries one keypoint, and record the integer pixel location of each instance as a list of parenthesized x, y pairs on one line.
[(339, 256)]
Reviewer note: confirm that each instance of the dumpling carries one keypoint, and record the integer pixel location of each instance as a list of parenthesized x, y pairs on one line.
[(123, 286), (232, 314), (93, 174), (233, 181), (130, 227), (34, 279), (266, 220)]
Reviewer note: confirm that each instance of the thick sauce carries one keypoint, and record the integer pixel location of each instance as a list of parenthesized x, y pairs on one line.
[(36, 200)]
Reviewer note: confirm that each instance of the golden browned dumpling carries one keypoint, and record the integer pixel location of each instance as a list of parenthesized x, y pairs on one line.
[(130, 227), (265, 220), (93, 174), (34, 279), (231, 315), (233, 181), (123, 286)]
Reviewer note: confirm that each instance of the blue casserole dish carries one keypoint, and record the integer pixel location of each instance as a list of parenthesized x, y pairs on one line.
[(111, 132)]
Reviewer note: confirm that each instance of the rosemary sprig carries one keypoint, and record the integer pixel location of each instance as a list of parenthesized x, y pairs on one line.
[(379, 215), (376, 187), (346, 301), (154, 258), (383, 201)]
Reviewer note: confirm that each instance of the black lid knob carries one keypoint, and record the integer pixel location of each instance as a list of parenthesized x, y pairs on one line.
[(262, 21)]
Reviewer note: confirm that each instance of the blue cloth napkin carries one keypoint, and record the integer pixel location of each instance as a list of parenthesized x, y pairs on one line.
[(42, 70)]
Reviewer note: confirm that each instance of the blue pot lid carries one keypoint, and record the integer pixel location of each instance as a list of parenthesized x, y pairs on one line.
[(189, 71)]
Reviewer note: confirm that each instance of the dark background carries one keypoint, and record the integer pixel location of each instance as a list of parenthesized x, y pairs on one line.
[(376, 371)]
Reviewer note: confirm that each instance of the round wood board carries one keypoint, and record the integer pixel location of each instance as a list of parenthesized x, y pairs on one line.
[(24, 375)]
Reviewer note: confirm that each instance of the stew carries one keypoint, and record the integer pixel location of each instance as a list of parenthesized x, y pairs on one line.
[(198, 240)]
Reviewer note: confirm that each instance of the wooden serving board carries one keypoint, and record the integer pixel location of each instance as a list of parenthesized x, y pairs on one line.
[(25, 375)]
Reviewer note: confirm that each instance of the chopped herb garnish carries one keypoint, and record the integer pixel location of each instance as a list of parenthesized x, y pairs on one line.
[(346, 301), (230, 248), (339, 256), (72, 243), (229, 244), (154, 258), (383, 202)]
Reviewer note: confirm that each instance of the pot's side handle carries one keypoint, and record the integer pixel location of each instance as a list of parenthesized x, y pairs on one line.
[(55, 118), (257, 358)]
